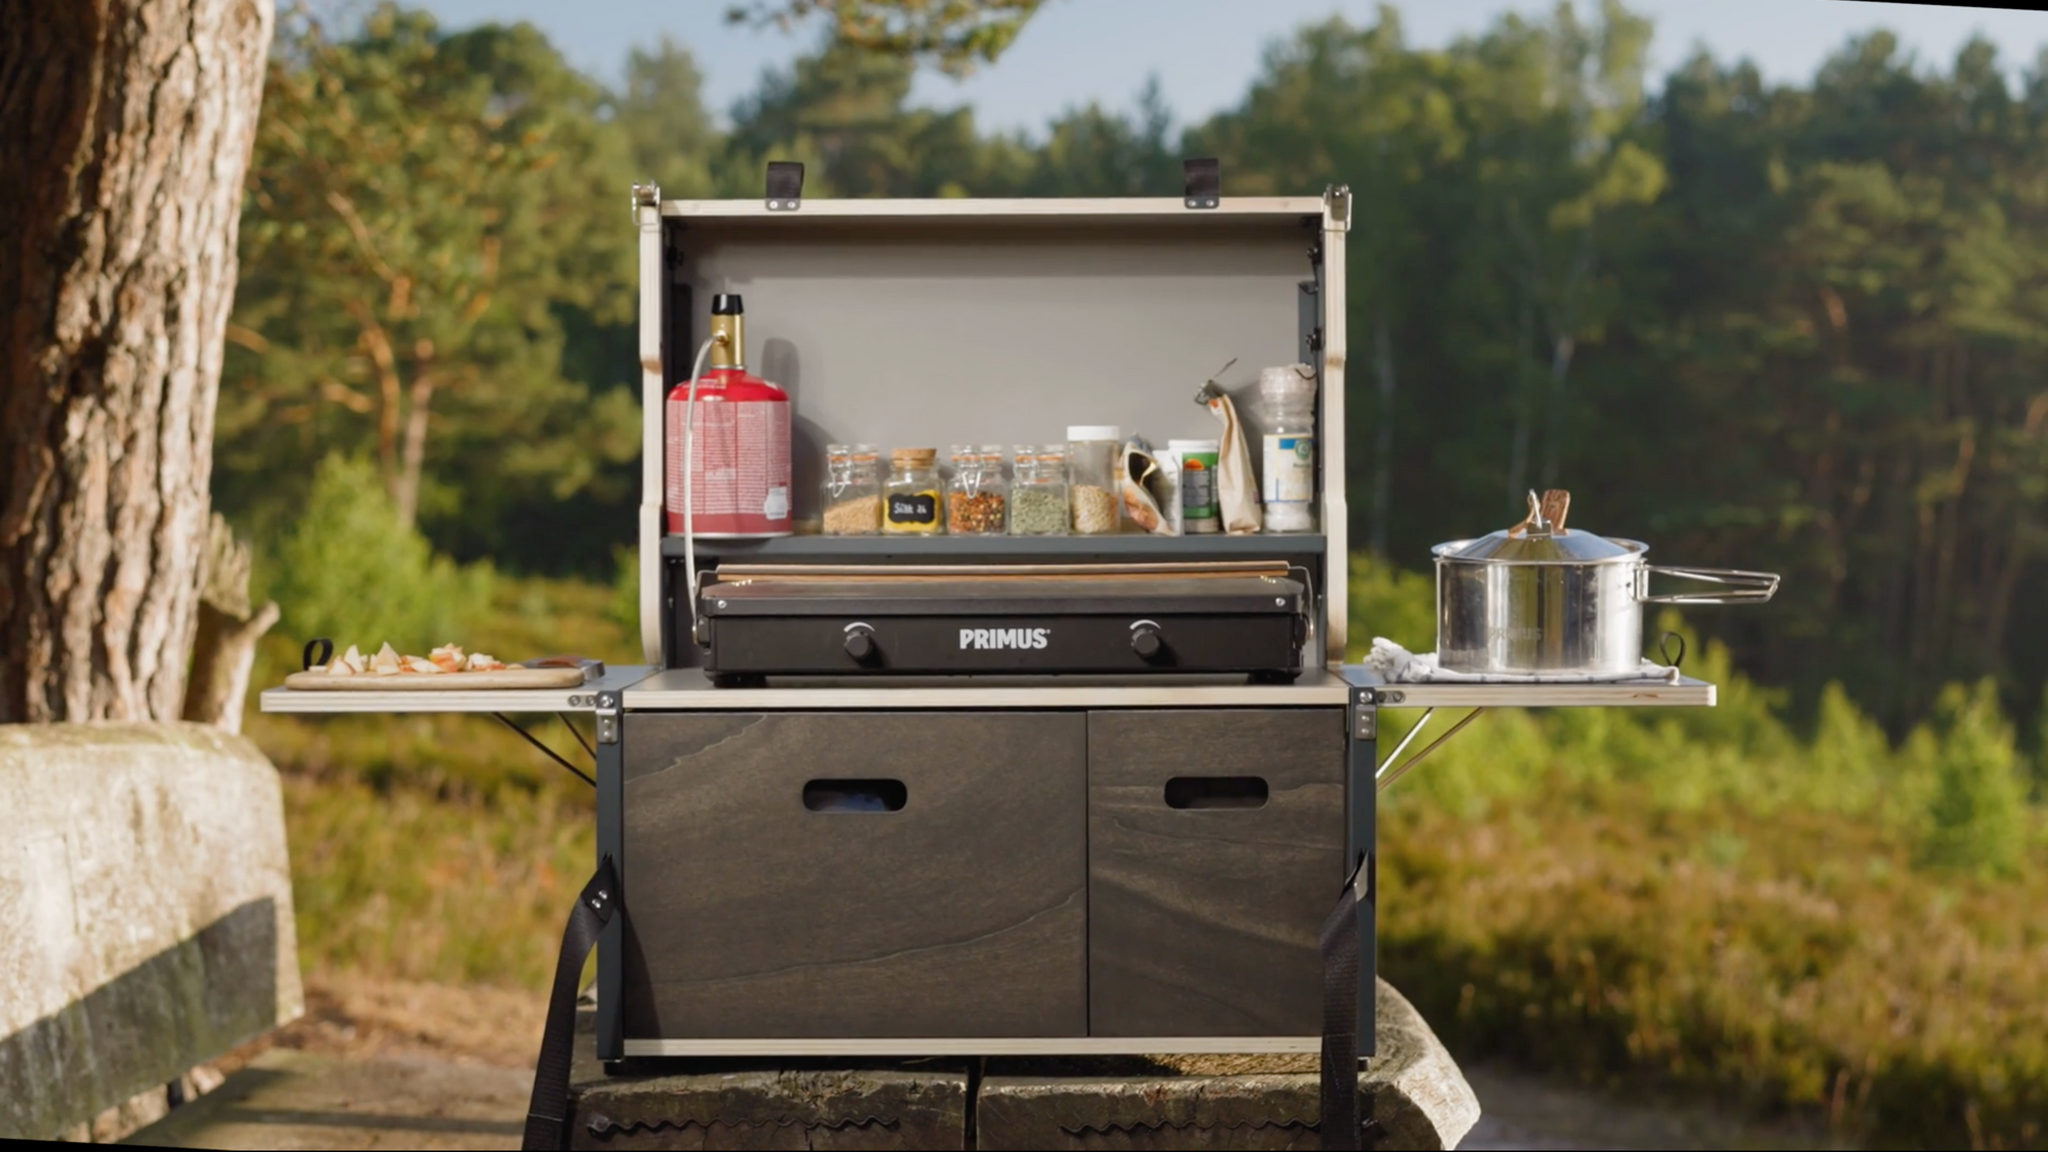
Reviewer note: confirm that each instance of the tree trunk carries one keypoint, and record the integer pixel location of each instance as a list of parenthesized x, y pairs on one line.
[(125, 130), (1383, 435), (1518, 447)]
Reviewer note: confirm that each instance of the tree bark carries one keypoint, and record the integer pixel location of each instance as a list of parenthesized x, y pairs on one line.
[(125, 130)]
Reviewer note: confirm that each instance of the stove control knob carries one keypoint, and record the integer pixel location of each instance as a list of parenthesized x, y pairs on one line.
[(1145, 639), (860, 642)]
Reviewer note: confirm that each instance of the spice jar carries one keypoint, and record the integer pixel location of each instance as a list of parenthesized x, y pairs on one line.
[(975, 500), (1038, 499), (852, 490), (911, 507), (1091, 475)]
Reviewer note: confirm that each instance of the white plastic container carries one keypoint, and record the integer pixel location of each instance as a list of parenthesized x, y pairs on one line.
[(1287, 405)]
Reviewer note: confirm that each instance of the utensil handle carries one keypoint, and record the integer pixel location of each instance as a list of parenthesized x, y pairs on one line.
[(1743, 587)]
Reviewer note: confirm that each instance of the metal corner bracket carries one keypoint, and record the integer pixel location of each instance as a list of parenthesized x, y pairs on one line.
[(1337, 205), (646, 195)]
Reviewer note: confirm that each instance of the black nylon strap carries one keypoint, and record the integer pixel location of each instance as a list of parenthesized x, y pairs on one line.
[(547, 1113), (1339, 1127)]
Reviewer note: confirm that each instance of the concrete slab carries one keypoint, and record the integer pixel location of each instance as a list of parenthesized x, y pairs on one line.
[(287, 1099)]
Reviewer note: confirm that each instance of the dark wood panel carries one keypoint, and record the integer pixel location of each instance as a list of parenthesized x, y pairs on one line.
[(1203, 921), (962, 914)]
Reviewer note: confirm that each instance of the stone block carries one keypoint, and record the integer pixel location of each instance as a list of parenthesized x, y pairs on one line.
[(146, 889), (1420, 1099)]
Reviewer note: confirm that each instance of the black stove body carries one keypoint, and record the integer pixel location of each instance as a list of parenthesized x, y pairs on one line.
[(1255, 626)]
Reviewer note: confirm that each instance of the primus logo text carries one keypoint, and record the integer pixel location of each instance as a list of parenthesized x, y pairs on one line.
[(1004, 637)]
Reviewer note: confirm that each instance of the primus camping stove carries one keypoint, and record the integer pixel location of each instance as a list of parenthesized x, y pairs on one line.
[(1242, 618)]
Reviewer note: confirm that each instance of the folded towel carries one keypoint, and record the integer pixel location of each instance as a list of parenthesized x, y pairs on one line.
[(1397, 665)]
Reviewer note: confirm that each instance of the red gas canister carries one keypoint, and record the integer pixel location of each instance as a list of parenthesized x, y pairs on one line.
[(739, 456)]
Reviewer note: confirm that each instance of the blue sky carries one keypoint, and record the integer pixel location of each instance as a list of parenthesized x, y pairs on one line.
[(1205, 52)]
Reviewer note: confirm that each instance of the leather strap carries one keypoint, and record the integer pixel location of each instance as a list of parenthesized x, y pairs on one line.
[(547, 1115)]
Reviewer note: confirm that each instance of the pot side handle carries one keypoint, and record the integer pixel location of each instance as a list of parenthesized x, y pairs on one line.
[(1743, 587)]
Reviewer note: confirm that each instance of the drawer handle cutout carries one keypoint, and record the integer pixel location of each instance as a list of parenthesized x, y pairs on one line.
[(855, 795), (1216, 792)]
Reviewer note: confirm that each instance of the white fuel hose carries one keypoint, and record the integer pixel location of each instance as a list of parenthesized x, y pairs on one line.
[(689, 501)]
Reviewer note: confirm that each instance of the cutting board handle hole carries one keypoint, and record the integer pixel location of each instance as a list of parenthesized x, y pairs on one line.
[(1216, 792), (855, 795)]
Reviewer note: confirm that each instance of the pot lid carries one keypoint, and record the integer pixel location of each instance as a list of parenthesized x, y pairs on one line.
[(1542, 537)]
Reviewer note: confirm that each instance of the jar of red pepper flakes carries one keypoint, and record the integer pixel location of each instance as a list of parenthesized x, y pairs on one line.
[(977, 498)]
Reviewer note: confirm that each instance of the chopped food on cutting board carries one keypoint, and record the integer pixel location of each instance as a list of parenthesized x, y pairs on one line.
[(387, 662)]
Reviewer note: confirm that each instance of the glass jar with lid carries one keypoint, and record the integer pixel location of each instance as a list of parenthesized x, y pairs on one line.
[(852, 490), (1038, 498), (976, 497), (911, 502), (1091, 477)]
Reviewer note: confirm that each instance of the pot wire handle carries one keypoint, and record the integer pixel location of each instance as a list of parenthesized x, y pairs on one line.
[(306, 657), (1664, 649), (1743, 587)]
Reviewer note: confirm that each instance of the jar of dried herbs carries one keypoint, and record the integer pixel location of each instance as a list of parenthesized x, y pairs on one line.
[(1038, 498), (852, 490), (976, 497), (911, 501)]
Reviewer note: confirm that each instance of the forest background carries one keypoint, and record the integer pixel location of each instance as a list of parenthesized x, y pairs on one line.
[(1800, 328)]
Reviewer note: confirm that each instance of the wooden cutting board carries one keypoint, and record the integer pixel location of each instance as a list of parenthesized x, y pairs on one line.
[(438, 682)]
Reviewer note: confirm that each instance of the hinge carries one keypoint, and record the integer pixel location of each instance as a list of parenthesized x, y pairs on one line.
[(1337, 202), (1366, 723), (1202, 182), (607, 717), (785, 185), (646, 195), (1314, 340)]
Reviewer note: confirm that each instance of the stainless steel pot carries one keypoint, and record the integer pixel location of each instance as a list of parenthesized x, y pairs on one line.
[(1539, 598)]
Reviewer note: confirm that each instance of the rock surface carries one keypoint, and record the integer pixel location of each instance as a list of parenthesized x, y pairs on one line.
[(146, 891)]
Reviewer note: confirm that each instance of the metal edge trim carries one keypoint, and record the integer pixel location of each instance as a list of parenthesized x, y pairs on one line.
[(975, 1046)]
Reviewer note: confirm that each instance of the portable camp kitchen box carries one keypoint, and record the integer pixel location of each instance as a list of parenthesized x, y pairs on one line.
[(1055, 864)]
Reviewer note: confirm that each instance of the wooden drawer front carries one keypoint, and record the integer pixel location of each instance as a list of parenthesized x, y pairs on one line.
[(1203, 919), (963, 913)]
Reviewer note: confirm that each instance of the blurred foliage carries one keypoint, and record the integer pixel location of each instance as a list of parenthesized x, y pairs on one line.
[(350, 570)]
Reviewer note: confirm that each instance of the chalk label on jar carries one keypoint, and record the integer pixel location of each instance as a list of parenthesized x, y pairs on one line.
[(922, 508), (1290, 470)]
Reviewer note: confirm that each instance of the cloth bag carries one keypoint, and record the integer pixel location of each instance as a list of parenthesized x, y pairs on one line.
[(1237, 488)]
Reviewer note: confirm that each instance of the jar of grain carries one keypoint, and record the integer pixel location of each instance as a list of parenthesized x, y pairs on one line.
[(911, 497), (976, 497), (1091, 476), (1038, 498), (852, 490)]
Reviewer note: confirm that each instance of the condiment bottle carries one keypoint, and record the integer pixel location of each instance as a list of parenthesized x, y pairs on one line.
[(912, 503), (1199, 513), (1287, 401), (1091, 477), (852, 490), (1038, 499)]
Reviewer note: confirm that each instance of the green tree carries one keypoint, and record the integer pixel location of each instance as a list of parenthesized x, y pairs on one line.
[(957, 34), (425, 219)]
